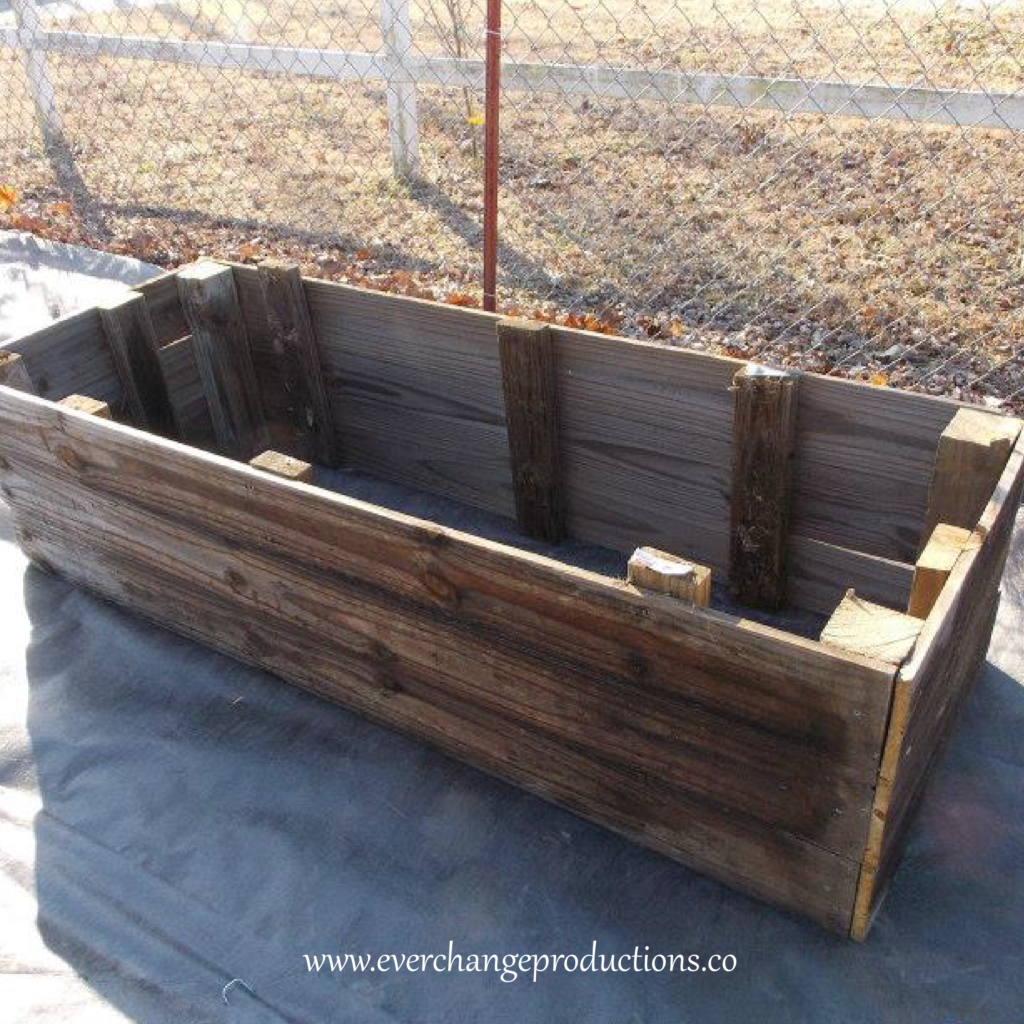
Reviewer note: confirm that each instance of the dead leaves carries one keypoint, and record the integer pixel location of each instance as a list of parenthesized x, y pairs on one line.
[(8, 197)]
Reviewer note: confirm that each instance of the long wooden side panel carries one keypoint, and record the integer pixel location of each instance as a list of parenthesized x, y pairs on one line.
[(746, 753), (932, 686)]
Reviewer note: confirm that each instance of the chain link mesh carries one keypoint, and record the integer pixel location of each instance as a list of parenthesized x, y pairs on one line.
[(836, 185)]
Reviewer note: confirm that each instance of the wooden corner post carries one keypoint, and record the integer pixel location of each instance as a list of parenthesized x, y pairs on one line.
[(133, 345), (970, 457), (293, 340), (531, 415), (764, 422), (14, 374), (221, 345)]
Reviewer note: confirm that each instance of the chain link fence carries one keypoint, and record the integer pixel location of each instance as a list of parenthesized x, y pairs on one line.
[(836, 185)]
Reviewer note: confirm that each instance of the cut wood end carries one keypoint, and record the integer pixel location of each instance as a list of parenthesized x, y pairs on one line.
[(665, 573), (860, 627), (754, 373), (283, 465), (520, 325), (83, 403), (944, 547), (984, 428)]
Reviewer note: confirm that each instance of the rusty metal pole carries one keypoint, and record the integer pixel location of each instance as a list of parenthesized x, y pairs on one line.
[(492, 97)]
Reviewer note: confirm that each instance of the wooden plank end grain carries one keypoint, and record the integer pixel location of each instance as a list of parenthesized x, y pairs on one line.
[(83, 403), (294, 343), (14, 373), (934, 566), (133, 345), (970, 456), (868, 629), (665, 573), (531, 413), (221, 346), (764, 421), (284, 466)]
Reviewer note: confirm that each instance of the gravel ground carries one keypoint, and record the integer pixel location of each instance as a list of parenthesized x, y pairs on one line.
[(883, 251)]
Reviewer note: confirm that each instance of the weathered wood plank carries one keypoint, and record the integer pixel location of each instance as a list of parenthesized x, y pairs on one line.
[(934, 566), (665, 573), (729, 718), (764, 420), (133, 345), (284, 466), (932, 685), (186, 390), (161, 294), (969, 459), (221, 347), (308, 416), (531, 417)]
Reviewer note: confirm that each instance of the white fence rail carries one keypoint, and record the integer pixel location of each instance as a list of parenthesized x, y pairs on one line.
[(402, 71)]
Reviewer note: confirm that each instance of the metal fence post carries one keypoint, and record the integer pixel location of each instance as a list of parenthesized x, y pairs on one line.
[(403, 130), (26, 17)]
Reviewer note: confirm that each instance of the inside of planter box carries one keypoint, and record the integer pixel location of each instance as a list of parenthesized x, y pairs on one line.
[(576, 445)]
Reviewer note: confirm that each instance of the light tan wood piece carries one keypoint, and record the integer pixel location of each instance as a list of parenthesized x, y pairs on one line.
[(861, 627), (14, 373), (284, 466), (665, 573), (934, 566), (970, 456), (83, 403)]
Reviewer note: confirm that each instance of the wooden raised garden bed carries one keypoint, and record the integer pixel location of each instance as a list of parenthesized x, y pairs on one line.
[(769, 729)]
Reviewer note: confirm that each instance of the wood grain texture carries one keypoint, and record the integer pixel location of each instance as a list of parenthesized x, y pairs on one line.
[(934, 565), (969, 459), (186, 390), (665, 573), (764, 419), (307, 412), (733, 747), (220, 344), (932, 685), (531, 418), (133, 345), (860, 627), (164, 305)]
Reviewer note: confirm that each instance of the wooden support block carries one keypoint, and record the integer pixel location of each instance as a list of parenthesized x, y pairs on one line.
[(971, 454), (764, 418), (83, 403), (652, 569), (133, 345), (221, 346), (292, 338), (14, 374), (861, 627), (531, 416), (283, 466), (934, 566)]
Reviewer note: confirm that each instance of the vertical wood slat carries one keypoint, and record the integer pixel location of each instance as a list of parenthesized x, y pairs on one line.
[(221, 346), (293, 340), (969, 459), (764, 421), (531, 416), (934, 566), (133, 345)]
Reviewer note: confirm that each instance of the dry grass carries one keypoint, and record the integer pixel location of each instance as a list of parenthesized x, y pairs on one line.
[(887, 251)]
